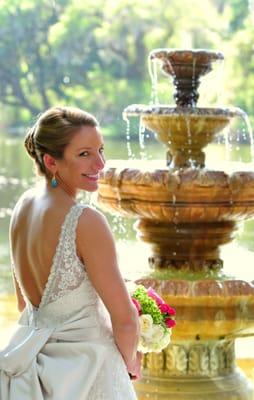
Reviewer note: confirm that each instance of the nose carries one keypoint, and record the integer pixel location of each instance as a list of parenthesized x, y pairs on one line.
[(100, 161)]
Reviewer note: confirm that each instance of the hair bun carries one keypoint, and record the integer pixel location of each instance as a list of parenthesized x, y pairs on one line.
[(29, 143)]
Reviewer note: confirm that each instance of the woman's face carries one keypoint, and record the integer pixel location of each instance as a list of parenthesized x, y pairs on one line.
[(82, 160)]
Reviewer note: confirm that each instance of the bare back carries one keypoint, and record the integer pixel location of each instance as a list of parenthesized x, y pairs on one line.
[(34, 233)]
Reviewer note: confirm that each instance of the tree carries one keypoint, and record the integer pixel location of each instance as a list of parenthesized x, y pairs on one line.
[(93, 54), (28, 70)]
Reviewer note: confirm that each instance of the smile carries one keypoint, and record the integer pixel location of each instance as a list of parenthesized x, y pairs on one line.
[(94, 177)]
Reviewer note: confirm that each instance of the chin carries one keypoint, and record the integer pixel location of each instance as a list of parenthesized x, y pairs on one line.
[(90, 188)]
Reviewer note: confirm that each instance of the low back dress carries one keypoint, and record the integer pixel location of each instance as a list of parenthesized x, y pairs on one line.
[(64, 348)]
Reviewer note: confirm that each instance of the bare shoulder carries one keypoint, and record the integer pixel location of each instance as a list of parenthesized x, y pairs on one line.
[(24, 200), (94, 237), (92, 222), (21, 207)]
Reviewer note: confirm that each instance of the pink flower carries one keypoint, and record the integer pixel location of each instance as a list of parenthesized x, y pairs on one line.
[(151, 293), (166, 309), (170, 322), (137, 305)]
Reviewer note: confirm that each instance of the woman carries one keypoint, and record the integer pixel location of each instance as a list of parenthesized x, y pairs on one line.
[(78, 331)]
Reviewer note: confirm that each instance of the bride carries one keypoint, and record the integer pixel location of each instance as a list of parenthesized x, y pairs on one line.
[(78, 330)]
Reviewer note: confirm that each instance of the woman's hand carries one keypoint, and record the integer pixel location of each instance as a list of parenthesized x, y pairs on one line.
[(134, 368)]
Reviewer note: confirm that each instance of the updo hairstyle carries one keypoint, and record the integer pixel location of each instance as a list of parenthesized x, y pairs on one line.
[(53, 131)]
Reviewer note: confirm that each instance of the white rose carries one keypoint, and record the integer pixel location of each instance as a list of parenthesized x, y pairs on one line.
[(146, 325), (157, 333)]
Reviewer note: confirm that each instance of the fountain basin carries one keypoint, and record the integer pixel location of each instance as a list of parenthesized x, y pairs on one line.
[(185, 131), (183, 196), (208, 309), (185, 215), (186, 63)]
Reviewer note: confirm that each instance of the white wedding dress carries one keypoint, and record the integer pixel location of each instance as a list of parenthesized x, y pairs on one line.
[(64, 349)]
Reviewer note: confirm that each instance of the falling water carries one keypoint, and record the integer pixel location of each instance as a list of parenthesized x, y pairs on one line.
[(193, 74), (211, 90), (246, 120), (141, 135), (189, 138), (153, 72), (219, 79), (187, 122), (239, 132), (227, 142), (152, 68), (128, 137)]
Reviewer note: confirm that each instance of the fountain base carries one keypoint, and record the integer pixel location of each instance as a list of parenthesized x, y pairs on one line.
[(233, 387), (195, 370)]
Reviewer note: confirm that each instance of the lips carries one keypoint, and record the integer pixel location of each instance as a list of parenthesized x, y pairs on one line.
[(92, 177)]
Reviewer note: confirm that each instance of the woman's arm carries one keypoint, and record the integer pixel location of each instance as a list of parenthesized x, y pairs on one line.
[(96, 247)]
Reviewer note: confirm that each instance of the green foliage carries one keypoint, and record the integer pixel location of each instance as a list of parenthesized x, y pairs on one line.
[(93, 54), (148, 305), (239, 12)]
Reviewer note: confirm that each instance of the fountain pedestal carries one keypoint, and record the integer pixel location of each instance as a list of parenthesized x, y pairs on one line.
[(185, 246)]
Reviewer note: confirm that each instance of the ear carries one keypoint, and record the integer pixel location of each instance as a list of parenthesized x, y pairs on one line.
[(50, 163)]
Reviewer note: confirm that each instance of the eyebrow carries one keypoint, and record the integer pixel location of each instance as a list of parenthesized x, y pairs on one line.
[(88, 148)]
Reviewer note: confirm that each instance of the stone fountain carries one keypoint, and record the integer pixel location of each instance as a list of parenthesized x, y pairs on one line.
[(186, 213)]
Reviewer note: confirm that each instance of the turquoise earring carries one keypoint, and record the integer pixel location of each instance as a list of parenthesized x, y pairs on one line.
[(54, 182)]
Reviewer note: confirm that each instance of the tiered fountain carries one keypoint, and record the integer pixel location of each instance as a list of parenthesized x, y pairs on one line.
[(186, 212)]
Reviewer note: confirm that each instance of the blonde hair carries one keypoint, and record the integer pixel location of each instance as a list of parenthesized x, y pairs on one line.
[(53, 131)]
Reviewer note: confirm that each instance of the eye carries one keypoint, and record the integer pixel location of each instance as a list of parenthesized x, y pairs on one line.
[(102, 150), (84, 154)]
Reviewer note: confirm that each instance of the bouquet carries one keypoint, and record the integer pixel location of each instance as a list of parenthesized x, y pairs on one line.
[(156, 320)]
